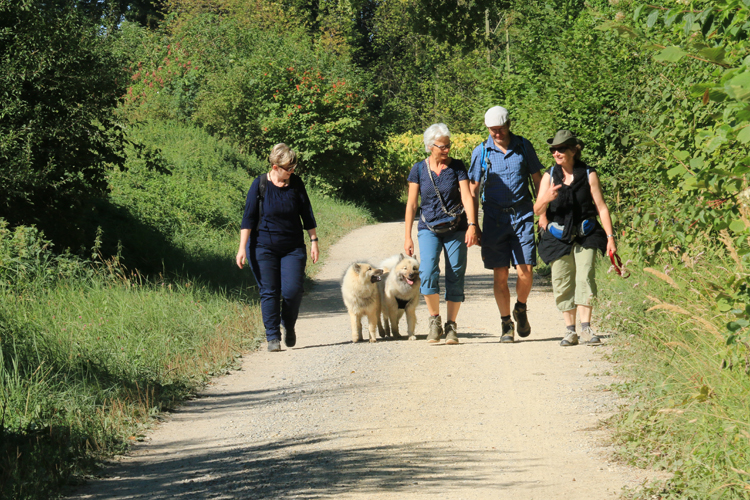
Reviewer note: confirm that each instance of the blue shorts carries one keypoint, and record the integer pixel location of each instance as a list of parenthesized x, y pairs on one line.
[(503, 244)]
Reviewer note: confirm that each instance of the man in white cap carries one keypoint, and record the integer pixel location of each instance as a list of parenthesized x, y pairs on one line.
[(499, 176)]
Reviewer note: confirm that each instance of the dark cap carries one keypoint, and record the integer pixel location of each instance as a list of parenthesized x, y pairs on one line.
[(564, 137)]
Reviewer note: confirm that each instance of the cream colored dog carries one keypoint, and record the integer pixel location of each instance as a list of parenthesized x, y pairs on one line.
[(362, 298), (399, 294)]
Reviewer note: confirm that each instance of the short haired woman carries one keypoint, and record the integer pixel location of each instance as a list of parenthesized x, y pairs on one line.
[(571, 197), (277, 210), (443, 185)]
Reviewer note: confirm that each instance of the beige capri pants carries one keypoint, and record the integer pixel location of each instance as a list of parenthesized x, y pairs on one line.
[(574, 278)]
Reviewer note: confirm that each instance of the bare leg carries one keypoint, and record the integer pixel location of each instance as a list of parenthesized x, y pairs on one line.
[(570, 317), (501, 290), (453, 308), (524, 282), (433, 303), (584, 313)]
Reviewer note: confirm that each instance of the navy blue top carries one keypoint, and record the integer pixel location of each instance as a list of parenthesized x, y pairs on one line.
[(447, 184), (286, 212), (507, 181)]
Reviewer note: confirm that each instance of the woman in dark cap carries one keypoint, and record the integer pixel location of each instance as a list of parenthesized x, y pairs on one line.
[(571, 198)]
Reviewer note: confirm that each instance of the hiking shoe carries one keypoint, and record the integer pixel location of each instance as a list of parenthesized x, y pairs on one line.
[(451, 336), (571, 338), (436, 330), (274, 345), (507, 335), (593, 337), (290, 338), (519, 314)]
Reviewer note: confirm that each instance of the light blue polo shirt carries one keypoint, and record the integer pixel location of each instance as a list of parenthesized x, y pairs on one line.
[(507, 182)]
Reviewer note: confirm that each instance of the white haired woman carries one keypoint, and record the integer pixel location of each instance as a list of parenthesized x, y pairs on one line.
[(272, 242), (448, 224), (571, 197)]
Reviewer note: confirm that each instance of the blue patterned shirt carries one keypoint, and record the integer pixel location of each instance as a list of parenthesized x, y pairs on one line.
[(447, 184), (507, 182)]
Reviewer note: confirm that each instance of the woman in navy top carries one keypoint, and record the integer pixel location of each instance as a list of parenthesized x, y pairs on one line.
[(272, 241), (452, 182)]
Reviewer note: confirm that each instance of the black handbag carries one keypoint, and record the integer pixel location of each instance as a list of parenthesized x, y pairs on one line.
[(450, 221)]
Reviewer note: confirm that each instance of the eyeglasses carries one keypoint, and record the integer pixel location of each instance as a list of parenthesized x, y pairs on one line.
[(288, 168), (442, 148), (559, 149)]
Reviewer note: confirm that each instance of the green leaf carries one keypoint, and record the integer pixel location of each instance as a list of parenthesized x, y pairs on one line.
[(696, 163), (715, 54), (682, 155), (737, 226), (744, 134), (675, 171), (652, 18), (688, 20), (670, 54), (739, 86), (637, 12)]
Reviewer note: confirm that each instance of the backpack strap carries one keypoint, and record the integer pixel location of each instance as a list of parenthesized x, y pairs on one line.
[(262, 188)]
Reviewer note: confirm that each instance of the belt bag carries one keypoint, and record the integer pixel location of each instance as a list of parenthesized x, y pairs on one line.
[(443, 225), (585, 228)]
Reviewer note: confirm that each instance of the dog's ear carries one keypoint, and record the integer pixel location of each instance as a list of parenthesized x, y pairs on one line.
[(357, 268), (401, 256)]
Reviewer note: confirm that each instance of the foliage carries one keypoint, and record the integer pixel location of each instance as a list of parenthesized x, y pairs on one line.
[(60, 85), (690, 413)]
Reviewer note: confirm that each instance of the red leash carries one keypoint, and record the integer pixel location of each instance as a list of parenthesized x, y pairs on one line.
[(624, 273)]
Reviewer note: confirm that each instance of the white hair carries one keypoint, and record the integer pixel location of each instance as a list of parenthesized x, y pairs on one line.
[(433, 133)]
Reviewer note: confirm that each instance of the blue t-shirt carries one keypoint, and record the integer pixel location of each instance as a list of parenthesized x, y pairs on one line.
[(447, 184), (507, 182), (286, 212)]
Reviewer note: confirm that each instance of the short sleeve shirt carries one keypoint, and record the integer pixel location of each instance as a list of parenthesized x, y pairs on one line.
[(447, 184), (507, 181)]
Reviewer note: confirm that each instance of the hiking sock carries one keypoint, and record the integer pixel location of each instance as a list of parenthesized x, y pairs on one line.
[(584, 326), (571, 328), (519, 303), (505, 319)]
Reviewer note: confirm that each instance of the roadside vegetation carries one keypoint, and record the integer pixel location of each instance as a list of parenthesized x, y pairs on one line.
[(130, 132)]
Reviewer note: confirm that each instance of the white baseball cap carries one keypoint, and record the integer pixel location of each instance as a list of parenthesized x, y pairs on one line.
[(496, 117)]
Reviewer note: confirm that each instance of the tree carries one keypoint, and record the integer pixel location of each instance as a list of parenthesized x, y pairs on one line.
[(60, 85)]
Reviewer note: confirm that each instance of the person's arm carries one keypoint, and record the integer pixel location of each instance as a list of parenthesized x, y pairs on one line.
[(411, 211), (601, 206), (467, 199), (314, 251), (545, 196), (242, 253), (474, 191)]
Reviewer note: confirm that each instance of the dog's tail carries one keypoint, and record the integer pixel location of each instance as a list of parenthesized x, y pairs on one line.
[(391, 262)]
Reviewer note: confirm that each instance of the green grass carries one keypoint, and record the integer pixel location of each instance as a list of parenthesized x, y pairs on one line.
[(689, 413)]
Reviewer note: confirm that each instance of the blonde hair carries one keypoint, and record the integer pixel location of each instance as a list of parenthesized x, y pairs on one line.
[(282, 155), (433, 133)]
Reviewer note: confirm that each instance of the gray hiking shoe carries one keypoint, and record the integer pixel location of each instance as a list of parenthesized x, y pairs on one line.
[(507, 335), (451, 336), (593, 337), (571, 338), (436, 330), (274, 345), (522, 320)]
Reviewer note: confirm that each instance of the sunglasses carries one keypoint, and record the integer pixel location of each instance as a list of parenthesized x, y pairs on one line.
[(442, 148), (287, 168), (559, 149)]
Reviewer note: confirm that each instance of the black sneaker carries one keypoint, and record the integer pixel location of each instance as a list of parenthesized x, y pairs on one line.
[(274, 345), (290, 338), (507, 335), (522, 320)]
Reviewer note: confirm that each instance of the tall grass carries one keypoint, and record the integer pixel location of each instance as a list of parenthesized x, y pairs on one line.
[(690, 411)]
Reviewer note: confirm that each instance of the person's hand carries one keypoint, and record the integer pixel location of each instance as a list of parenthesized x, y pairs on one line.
[(472, 236), (543, 221), (409, 247), (314, 252), (611, 246), (552, 193), (241, 257)]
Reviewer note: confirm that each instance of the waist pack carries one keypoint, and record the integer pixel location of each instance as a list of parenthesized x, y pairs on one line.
[(583, 229), (444, 225)]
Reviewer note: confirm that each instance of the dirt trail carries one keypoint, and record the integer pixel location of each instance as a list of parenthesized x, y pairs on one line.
[(391, 420)]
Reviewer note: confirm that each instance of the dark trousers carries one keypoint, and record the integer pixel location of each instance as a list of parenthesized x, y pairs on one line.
[(280, 276)]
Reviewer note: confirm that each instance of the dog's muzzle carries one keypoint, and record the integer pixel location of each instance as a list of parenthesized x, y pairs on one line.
[(375, 278)]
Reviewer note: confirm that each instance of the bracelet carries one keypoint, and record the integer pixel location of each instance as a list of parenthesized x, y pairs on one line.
[(610, 236), (313, 239), (472, 224)]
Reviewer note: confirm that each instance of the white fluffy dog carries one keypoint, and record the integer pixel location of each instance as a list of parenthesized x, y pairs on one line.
[(399, 294), (362, 298)]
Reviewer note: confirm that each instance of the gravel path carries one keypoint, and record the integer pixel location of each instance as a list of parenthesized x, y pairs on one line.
[(391, 420)]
